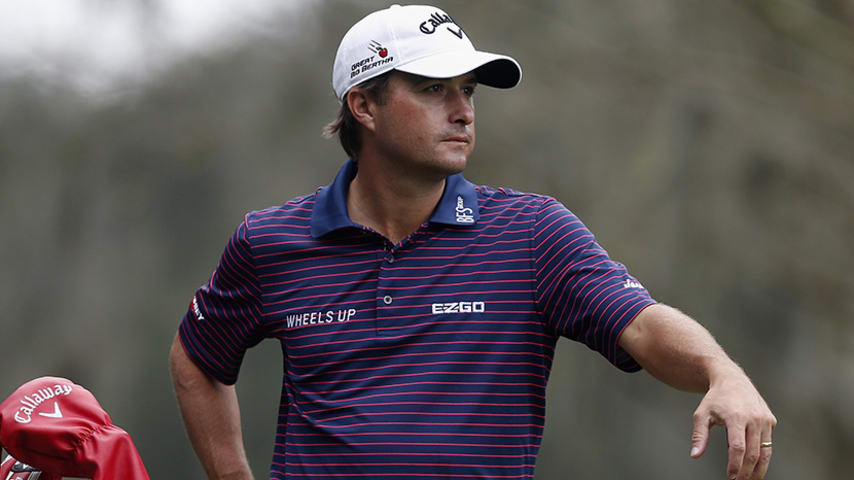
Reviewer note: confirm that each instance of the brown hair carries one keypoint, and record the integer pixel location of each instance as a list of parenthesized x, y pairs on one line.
[(346, 125)]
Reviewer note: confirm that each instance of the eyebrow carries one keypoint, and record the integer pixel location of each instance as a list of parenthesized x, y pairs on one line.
[(471, 77)]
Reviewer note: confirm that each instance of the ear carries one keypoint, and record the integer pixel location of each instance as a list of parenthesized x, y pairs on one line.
[(362, 106)]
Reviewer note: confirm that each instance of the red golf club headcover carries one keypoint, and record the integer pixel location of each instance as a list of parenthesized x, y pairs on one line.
[(11, 469), (59, 427)]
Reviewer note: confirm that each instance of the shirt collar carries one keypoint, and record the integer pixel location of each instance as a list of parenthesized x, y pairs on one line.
[(458, 205), (330, 205)]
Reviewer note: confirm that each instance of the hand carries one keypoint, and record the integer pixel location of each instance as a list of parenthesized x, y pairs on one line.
[(733, 402)]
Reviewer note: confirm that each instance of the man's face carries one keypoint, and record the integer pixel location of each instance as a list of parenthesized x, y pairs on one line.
[(426, 124)]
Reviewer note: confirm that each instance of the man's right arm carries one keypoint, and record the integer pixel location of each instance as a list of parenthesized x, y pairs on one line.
[(211, 416)]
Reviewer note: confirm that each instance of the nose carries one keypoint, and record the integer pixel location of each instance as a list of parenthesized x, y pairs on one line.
[(461, 108)]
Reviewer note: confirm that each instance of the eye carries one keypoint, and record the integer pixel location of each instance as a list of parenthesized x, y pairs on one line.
[(468, 90), (435, 88)]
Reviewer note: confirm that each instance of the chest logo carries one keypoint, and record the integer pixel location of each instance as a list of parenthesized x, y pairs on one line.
[(458, 307), (305, 319)]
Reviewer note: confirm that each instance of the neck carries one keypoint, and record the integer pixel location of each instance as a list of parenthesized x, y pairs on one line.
[(393, 204)]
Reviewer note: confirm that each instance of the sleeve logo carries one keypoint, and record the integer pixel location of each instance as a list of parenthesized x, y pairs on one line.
[(197, 311)]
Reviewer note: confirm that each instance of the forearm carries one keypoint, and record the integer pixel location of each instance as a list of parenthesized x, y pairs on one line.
[(677, 350), (211, 417)]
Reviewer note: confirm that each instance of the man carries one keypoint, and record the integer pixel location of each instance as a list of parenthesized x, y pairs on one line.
[(418, 313)]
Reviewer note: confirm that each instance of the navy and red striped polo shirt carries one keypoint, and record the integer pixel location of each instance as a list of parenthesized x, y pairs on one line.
[(425, 359)]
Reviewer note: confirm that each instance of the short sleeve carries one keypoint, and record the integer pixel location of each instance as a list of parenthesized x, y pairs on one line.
[(223, 319), (582, 293)]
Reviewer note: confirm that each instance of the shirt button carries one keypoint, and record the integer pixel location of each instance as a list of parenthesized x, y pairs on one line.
[(387, 299), (390, 259)]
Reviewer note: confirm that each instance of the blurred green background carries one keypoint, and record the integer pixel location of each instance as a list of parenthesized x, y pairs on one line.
[(709, 145)]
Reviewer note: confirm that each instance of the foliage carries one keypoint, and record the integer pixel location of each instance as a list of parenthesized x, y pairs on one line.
[(708, 144)]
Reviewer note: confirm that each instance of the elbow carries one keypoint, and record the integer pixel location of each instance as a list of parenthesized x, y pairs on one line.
[(182, 369)]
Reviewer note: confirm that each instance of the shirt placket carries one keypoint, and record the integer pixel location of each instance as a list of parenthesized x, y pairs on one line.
[(385, 294)]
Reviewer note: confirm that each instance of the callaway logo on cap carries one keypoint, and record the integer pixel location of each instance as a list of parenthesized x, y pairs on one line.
[(416, 39)]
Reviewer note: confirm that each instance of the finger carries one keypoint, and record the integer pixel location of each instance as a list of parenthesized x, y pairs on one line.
[(764, 458), (751, 452), (700, 435), (736, 437)]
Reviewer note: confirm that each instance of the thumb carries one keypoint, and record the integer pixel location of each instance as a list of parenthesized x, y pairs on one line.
[(700, 435)]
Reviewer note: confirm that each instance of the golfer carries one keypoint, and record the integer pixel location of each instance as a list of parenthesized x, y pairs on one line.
[(417, 312)]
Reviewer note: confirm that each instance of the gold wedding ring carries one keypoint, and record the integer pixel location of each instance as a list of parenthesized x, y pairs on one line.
[(766, 444)]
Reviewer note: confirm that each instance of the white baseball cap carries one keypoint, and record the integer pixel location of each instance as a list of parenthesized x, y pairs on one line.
[(417, 39)]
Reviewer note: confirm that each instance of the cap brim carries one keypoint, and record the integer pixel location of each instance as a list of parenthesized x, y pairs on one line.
[(499, 71)]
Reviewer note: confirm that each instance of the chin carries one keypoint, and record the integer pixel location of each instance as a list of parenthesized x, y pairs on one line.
[(453, 166), (452, 162)]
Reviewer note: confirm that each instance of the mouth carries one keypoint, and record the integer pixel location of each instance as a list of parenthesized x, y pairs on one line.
[(462, 139)]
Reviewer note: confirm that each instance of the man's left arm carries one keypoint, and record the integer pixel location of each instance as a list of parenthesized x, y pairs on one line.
[(680, 352)]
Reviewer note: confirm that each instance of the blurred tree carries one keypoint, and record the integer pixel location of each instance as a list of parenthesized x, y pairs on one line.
[(708, 145)]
